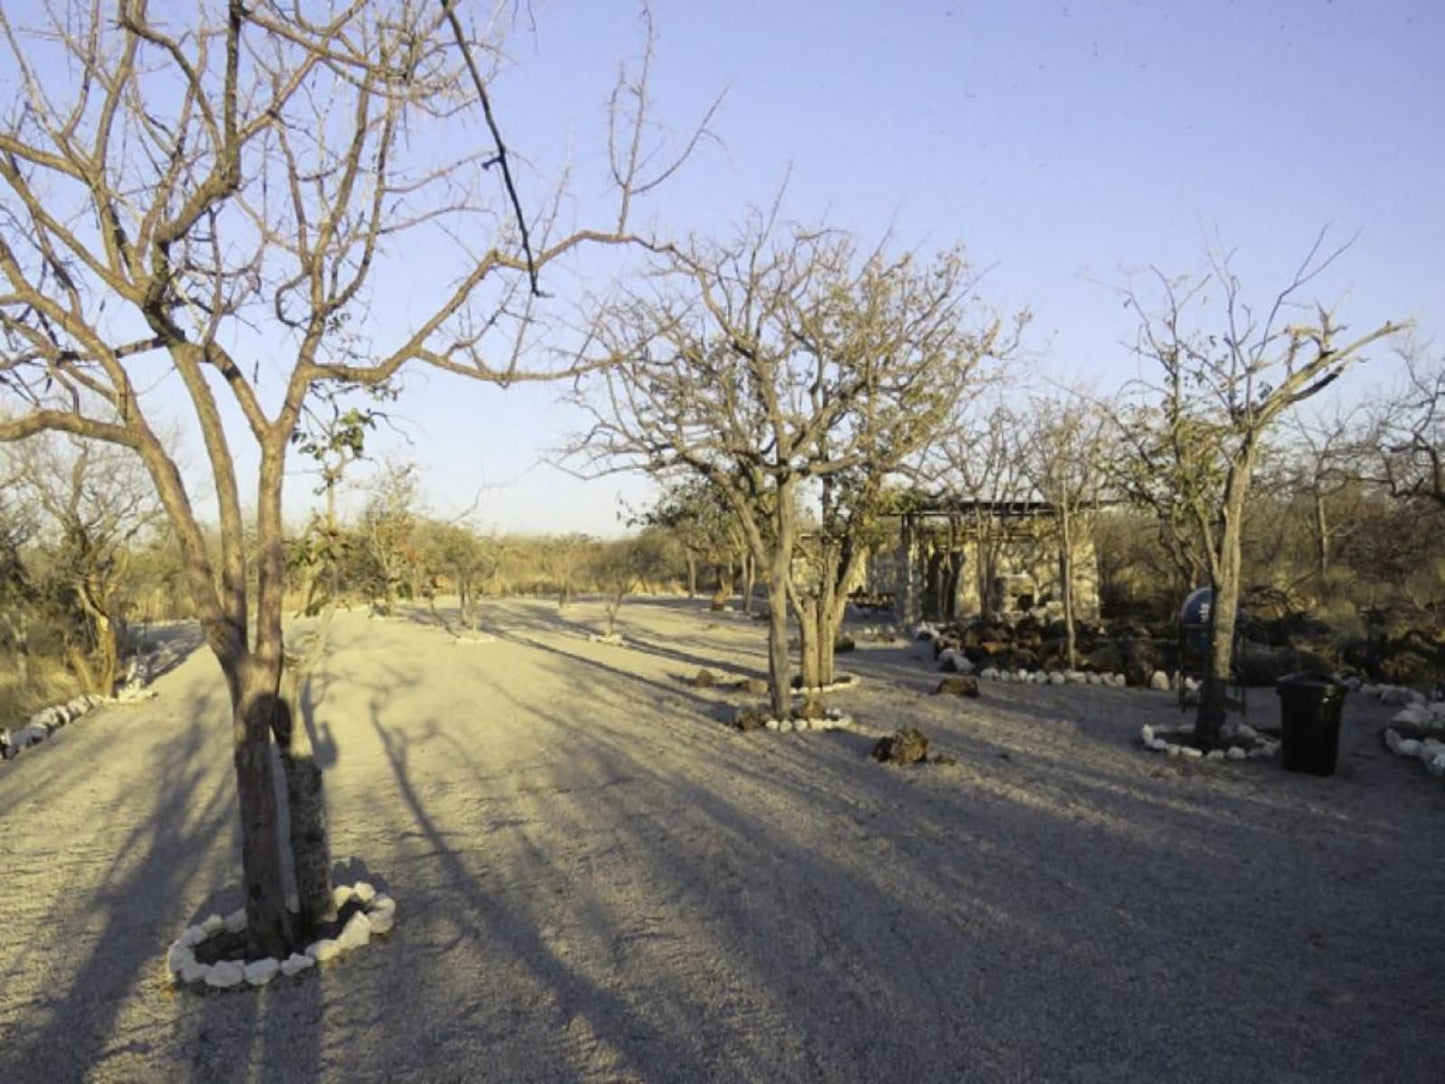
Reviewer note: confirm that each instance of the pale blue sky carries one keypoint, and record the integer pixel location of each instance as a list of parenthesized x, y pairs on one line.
[(1065, 143)]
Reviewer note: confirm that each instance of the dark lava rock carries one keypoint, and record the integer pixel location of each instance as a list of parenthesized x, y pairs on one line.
[(958, 685), (749, 719), (755, 686), (907, 746), (703, 679), (843, 644)]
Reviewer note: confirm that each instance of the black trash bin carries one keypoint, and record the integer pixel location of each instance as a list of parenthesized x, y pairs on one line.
[(1309, 707)]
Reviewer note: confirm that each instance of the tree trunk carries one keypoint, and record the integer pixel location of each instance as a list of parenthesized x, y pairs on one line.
[(810, 643), (691, 576), (306, 806), (1066, 576), (254, 705), (779, 569), (1322, 539), (1213, 704), (750, 577)]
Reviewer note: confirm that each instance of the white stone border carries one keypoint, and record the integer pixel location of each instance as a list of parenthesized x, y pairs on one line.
[(1158, 741), (377, 916), (1421, 714), (46, 722), (838, 684), (833, 719)]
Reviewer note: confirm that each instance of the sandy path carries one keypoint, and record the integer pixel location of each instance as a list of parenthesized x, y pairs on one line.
[(600, 881)]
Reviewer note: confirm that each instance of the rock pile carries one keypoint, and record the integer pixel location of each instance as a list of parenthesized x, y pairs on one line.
[(372, 914), (1243, 742), (760, 718), (1417, 731), (42, 724)]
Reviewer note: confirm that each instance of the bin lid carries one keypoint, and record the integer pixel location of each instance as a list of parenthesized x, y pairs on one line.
[(1305, 680)]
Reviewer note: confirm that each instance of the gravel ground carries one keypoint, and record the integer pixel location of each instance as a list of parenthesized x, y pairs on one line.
[(599, 880)]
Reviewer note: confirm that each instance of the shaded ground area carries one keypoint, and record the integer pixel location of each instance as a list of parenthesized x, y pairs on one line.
[(598, 880)]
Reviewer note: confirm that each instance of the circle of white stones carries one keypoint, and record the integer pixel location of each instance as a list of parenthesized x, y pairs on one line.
[(376, 918)]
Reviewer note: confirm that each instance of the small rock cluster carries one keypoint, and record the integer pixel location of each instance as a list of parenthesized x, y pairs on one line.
[(750, 719), (376, 916), (1417, 730), (1245, 743), (907, 746), (953, 661), (45, 723)]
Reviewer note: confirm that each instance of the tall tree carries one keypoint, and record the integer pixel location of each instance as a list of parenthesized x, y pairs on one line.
[(218, 195), (1223, 374), (783, 359), (1065, 442)]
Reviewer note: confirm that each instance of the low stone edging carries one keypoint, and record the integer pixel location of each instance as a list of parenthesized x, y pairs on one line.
[(376, 917), (1165, 740), (47, 721)]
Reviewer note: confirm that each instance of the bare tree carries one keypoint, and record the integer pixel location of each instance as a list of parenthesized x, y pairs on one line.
[(224, 188), (1065, 442), (1403, 446), (783, 359), (978, 462), (96, 503), (1224, 374)]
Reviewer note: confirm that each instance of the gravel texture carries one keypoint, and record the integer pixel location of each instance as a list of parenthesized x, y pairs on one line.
[(602, 880)]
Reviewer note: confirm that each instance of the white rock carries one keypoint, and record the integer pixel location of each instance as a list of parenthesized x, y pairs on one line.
[(989, 673), (1093, 678), (1235, 752), (1057, 678), (356, 932), (78, 707), (383, 902), (341, 895), (1392, 741), (261, 972), (325, 949), (179, 955), (1431, 747), (1436, 765), (1246, 732), (225, 974), (363, 891), (1408, 747), (1190, 751), (382, 921), (1214, 754), (1146, 732), (1075, 677), (194, 935), (1191, 685), (194, 971), (296, 963), (212, 925), (1270, 748), (1159, 745), (771, 724), (1159, 681), (236, 921), (1413, 714), (1173, 750)]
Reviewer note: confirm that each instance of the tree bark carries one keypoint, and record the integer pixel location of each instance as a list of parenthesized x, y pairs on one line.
[(1225, 580), (691, 576), (254, 706), (1066, 575), (306, 807), (750, 576), (779, 569)]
